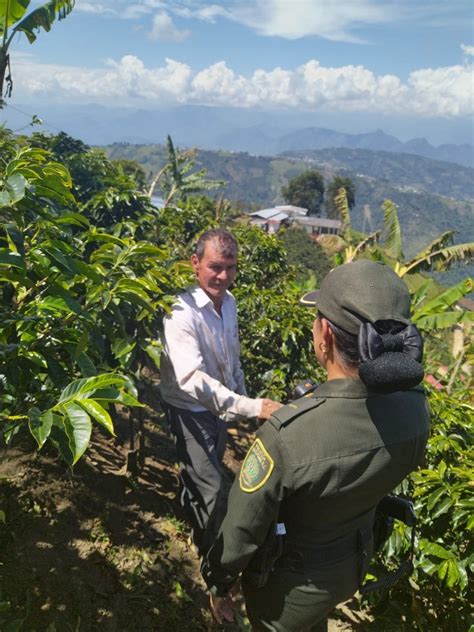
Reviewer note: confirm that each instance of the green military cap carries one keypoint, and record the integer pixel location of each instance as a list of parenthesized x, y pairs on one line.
[(361, 291)]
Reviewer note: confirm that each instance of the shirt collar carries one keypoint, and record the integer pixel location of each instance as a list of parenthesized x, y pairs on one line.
[(201, 298), (351, 388), (342, 387)]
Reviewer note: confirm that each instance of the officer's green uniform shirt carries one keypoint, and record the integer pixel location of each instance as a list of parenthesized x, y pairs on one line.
[(319, 465)]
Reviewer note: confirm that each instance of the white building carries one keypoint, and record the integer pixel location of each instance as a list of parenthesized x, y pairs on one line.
[(270, 220)]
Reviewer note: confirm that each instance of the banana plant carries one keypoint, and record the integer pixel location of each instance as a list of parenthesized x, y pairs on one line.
[(441, 311), (178, 177), (353, 244), (439, 255), (14, 19)]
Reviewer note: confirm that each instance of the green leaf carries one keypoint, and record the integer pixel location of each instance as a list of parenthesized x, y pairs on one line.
[(16, 10), (43, 17), (180, 593), (115, 396), (36, 358), (154, 353), (86, 365), (81, 345), (14, 189), (95, 410), (428, 566), (453, 575), (121, 347), (81, 389), (106, 238), (392, 233), (60, 440), (58, 305), (40, 425), (431, 548), (9, 258), (442, 508), (73, 219), (446, 300), (78, 426), (3, 520), (434, 497)]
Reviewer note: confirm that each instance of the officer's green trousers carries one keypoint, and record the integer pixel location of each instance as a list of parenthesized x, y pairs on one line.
[(300, 601)]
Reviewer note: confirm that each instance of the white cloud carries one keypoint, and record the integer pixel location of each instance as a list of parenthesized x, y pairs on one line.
[(467, 50), (428, 92), (337, 20), (120, 8), (164, 29), (331, 19), (94, 7)]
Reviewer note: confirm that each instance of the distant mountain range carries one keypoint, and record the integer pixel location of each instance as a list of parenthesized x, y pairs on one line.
[(234, 129), (314, 138)]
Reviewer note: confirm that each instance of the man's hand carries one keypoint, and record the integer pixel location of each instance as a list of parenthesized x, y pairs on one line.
[(222, 608), (268, 408)]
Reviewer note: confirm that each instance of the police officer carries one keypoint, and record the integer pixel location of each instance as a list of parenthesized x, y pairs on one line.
[(299, 525)]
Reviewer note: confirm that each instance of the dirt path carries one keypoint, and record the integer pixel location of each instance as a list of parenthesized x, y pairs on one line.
[(100, 550)]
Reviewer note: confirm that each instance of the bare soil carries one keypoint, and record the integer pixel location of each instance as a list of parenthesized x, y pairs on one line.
[(102, 549)]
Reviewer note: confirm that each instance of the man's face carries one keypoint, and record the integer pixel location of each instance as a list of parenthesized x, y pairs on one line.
[(215, 273)]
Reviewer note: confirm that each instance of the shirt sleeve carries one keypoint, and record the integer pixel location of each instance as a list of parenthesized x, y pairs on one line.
[(237, 370), (253, 508), (184, 354)]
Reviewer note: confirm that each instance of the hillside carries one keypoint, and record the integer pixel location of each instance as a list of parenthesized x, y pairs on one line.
[(401, 170), (422, 188)]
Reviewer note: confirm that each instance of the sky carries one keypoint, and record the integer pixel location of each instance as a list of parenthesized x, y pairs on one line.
[(407, 60)]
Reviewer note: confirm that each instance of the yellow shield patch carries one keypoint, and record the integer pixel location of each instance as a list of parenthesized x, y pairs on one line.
[(256, 468)]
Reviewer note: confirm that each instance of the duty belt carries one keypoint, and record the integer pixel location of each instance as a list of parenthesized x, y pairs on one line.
[(297, 557)]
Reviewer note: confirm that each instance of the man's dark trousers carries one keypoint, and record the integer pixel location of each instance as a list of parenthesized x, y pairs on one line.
[(200, 439)]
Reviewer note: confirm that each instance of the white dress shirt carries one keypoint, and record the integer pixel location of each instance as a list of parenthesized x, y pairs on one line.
[(200, 364)]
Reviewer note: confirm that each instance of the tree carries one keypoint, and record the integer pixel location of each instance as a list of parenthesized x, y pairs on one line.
[(306, 190), (305, 252), (13, 21), (61, 145), (134, 170), (332, 191), (80, 308)]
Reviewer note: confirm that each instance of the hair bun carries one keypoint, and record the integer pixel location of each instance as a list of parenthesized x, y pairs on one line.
[(391, 371)]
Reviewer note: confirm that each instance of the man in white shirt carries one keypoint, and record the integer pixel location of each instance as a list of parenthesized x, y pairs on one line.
[(202, 382)]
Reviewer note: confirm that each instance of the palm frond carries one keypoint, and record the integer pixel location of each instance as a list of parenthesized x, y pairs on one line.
[(370, 240), (442, 259), (43, 17), (445, 320), (444, 301), (342, 205), (392, 233), (11, 12)]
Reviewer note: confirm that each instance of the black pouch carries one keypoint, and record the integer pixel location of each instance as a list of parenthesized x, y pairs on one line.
[(263, 562)]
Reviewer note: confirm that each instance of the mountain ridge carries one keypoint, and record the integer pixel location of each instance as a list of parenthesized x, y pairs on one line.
[(258, 132)]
